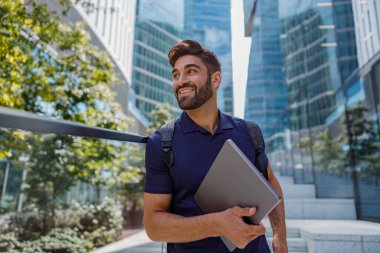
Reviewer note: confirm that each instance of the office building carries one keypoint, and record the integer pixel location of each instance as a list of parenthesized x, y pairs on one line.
[(266, 97), (330, 138), (209, 22), (158, 27), (367, 27)]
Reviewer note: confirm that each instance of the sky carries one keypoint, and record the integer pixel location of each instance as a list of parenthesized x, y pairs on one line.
[(240, 56)]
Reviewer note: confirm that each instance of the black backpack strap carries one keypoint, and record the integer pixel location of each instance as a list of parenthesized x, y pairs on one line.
[(167, 132), (259, 144)]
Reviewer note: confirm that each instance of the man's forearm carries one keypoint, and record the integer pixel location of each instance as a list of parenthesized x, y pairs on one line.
[(167, 227), (277, 216)]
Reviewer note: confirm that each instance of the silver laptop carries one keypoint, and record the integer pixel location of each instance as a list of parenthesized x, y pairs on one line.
[(234, 181)]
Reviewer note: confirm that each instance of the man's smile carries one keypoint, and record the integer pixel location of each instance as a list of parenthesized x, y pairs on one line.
[(185, 91)]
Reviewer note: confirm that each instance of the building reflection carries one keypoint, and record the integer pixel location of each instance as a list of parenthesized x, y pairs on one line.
[(331, 134)]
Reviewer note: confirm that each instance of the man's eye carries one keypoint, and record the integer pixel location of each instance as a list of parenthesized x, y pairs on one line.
[(191, 71), (175, 76)]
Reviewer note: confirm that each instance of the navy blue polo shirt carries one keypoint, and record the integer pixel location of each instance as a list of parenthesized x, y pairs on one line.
[(194, 150)]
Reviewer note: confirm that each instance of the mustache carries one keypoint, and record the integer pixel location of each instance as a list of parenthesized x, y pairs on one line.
[(186, 85)]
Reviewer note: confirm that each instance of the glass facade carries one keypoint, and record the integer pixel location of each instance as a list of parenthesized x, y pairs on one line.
[(369, 185), (367, 27), (331, 137), (9, 186), (209, 22), (157, 29), (320, 51), (266, 98), (318, 42)]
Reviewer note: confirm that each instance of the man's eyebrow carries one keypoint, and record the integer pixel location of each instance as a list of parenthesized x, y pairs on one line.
[(191, 65)]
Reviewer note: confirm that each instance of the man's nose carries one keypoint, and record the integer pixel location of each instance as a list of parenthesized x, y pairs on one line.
[(182, 79)]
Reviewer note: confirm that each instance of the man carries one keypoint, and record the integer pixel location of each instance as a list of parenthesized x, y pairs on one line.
[(170, 212)]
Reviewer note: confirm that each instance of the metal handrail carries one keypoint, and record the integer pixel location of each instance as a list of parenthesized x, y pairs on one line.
[(12, 118)]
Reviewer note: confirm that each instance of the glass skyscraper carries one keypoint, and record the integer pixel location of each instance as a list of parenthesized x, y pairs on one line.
[(367, 25), (334, 141), (209, 22), (330, 135), (318, 42), (158, 26), (266, 98)]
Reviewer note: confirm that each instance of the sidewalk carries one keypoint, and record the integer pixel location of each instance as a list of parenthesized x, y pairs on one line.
[(339, 236), (132, 241)]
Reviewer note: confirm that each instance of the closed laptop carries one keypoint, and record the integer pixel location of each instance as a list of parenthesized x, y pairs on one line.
[(234, 181)]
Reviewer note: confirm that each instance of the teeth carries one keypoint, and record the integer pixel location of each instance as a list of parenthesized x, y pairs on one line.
[(184, 91)]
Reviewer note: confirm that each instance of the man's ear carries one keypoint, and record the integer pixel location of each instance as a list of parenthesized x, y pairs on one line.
[(216, 79)]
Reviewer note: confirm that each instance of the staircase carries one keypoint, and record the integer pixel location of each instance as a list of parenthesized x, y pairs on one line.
[(301, 203), (295, 243)]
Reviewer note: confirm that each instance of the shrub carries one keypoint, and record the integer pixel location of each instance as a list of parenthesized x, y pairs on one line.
[(9, 242), (58, 240), (65, 240), (102, 224), (76, 229)]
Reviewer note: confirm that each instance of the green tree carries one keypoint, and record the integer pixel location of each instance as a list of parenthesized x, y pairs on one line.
[(50, 68), (328, 152), (160, 116), (131, 194)]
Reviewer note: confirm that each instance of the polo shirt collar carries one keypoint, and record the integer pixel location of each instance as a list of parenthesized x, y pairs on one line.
[(189, 126)]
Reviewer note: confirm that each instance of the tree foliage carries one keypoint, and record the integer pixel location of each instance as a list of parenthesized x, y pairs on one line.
[(356, 147), (161, 115), (50, 68), (131, 194), (328, 152), (363, 141)]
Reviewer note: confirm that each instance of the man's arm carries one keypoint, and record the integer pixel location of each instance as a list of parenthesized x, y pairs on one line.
[(161, 225), (277, 218)]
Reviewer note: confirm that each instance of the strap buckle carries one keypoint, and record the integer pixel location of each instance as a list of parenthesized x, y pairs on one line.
[(166, 146)]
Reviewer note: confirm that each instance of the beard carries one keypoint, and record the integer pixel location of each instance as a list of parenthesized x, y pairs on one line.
[(202, 95)]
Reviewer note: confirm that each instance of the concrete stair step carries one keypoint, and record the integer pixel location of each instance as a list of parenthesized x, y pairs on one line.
[(320, 209), (290, 232), (284, 180), (292, 191), (333, 236), (294, 244)]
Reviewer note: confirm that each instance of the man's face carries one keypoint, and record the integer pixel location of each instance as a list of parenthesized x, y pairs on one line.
[(191, 82)]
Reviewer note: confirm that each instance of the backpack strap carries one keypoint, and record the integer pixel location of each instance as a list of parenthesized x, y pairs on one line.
[(258, 142), (167, 132)]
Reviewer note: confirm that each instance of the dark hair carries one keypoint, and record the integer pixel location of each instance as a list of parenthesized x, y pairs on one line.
[(192, 47)]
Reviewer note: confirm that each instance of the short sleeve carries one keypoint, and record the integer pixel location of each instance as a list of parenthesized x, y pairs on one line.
[(157, 179)]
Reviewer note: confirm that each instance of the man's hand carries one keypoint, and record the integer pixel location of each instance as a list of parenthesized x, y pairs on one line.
[(236, 230), (279, 244)]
